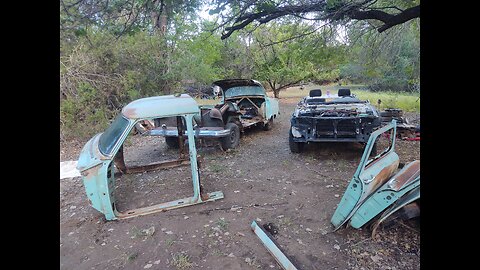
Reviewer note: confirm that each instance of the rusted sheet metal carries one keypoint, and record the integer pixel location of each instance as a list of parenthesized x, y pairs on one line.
[(160, 165), (272, 248), (405, 176), (370, 174), (379, 201), (375, 185), (162, 207), (386, 195), (384, 174), (407, 199)]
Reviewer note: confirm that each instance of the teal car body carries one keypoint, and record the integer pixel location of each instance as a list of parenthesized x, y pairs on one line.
[(252, 100), (243, 104), (103, 150)]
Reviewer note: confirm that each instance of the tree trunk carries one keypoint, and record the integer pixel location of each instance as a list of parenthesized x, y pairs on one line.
[(159, 17), (276, 93)]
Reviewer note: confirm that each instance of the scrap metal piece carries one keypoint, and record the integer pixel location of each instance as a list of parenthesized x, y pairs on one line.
[(401, 183), (204, 132), (272, 248), (370, 174), (406, 131), (412, 196)]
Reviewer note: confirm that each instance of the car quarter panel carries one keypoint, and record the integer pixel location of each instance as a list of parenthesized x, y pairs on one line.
[(271, 107)]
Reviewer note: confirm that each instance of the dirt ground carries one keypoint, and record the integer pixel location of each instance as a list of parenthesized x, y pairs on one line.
[(261, 180)]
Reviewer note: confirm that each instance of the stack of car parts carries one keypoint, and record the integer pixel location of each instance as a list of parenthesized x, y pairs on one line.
[(406, 131), (376, 187)]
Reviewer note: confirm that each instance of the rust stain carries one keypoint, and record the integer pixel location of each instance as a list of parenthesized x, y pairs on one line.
[(204, 196), (90, 173), (130, 112), (384, 175), (410, 173)]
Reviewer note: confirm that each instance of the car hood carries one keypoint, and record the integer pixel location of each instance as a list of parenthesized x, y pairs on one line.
[(229, 83), (90, 156)]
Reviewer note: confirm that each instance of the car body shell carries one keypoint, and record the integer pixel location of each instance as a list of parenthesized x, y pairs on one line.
[(244, 90), (96, 166)]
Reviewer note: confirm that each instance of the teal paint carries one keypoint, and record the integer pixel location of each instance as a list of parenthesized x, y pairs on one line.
[(409, 197), (365, 179), (378, 202), (272, 248), (97, 169)]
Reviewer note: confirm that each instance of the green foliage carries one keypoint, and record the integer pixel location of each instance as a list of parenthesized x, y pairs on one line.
[(108, 57), (281, 62), (101, 73), (407, 101), (385, 62)]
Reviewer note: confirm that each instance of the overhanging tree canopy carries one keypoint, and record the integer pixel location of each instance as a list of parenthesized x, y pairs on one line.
[(240, 14)]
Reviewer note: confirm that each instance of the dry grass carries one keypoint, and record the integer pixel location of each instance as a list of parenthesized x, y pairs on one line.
[(409, 102)]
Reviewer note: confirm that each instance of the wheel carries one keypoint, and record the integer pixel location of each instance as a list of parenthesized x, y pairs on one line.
[(172, 142), (269, 125), (232, 140), (295, 147)]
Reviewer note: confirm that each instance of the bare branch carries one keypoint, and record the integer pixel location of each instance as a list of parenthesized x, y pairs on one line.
[(351, 10), (297, 36)]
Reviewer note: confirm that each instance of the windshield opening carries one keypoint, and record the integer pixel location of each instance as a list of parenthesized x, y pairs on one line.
[(111, 136), (244, 91)]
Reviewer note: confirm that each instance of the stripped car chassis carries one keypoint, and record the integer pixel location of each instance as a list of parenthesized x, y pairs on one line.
[(332, 129)]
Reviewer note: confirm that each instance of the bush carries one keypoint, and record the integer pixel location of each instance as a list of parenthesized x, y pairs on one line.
[(100, 75)]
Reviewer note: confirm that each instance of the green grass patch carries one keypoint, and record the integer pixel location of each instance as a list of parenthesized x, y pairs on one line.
[(216, 168), (181, 261), (169, 242), (132, 256), (222, 224), (409, 102)]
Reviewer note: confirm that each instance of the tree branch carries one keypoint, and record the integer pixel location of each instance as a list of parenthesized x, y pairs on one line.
[(353, 11), (265, 16), (402, 17)]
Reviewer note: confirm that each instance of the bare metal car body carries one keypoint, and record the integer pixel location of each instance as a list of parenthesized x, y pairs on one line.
[(332, 118), (105, 149)]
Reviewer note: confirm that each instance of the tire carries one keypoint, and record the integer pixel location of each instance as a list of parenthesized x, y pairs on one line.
[(233, 139), (295, 147), (269, 125), (172, 142)]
